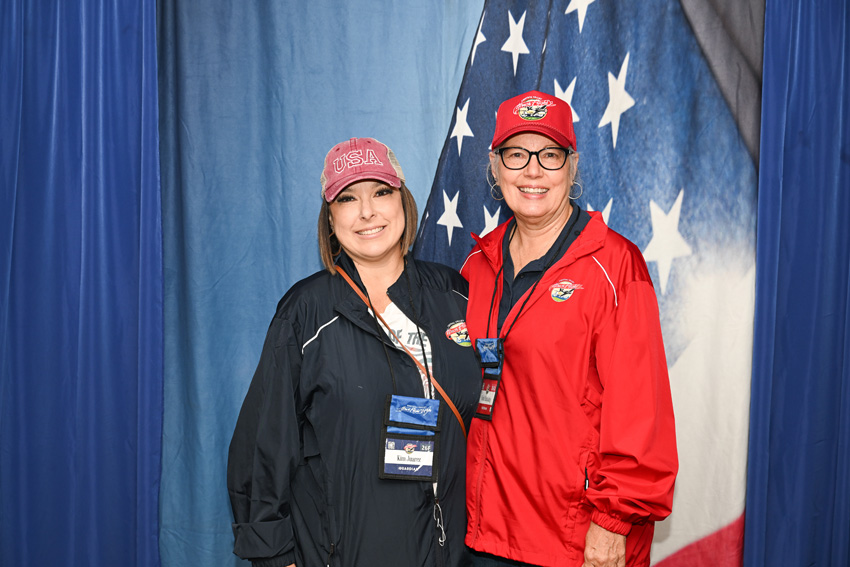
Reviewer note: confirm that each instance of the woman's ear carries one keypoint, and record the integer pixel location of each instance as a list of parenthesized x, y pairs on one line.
[(494, 167)]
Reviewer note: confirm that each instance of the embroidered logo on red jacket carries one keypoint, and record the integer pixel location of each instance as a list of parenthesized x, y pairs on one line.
[(457, 332), (563, 290)]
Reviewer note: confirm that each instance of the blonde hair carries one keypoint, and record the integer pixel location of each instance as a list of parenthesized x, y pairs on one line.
[(330, 248)]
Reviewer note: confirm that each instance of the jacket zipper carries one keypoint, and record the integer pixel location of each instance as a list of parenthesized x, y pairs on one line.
[(478, 483), (330, 555), (440, 532)]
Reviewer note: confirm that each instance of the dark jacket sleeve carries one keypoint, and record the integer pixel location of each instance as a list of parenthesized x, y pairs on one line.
[(264, 452)]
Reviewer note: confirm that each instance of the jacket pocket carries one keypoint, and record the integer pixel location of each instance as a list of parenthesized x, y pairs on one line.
[(591, 404), (314, 522), (578, 511)]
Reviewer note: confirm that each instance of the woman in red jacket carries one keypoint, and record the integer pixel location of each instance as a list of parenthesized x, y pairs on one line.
[(572, 455)]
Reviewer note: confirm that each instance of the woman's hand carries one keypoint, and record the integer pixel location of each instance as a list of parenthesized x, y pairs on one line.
[(603, 548)]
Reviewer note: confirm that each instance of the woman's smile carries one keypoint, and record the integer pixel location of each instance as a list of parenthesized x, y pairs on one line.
[(368, 220)]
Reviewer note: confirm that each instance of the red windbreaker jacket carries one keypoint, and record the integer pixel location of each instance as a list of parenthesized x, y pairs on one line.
[(582, 427)]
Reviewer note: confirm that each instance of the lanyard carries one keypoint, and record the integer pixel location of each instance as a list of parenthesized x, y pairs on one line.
[(548, 265), (422, 368)]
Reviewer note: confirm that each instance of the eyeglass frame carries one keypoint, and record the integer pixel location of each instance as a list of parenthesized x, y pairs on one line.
[(567, 153)]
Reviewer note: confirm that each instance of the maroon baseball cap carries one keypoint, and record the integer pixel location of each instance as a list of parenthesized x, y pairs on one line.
[(358, 159), (535, 111)]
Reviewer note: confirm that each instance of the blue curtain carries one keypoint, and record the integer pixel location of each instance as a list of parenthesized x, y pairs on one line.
[(81, 284), (253, 95), (798, 490)]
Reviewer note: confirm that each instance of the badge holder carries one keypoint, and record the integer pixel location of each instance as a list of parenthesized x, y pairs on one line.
[(410, 439), (491, 356)]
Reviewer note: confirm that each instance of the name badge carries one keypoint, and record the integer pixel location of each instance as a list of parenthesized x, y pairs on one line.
[(411, 439), (491, 357)]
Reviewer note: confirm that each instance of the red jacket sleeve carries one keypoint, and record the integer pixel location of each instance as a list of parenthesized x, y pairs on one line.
[(637, 445)]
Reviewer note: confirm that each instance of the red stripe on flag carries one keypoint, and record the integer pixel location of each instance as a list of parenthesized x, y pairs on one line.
[(723, 548)]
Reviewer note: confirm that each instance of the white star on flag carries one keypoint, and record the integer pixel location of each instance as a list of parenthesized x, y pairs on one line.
[(606, 212), (667, 243), (461, 128), (581, 7), (479, 39), (619, 100), (490, 222), (449, 218), (515, 44), (567, 96)]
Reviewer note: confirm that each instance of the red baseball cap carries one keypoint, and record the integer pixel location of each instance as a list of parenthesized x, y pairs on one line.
[(535, 111), (355, 160)]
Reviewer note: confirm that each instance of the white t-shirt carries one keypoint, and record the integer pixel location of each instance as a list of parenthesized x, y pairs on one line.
[(406, 331)]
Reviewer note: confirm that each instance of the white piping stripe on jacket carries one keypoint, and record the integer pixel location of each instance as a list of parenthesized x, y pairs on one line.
[(317, 333), (609, 279), (468, 257)]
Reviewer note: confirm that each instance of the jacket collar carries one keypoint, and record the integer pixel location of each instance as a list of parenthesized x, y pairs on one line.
[(491, 244), (347, 264), (590, 240), (354, 309), (349, 304)]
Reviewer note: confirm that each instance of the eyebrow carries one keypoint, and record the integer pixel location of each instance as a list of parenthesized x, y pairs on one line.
[(380, 185)]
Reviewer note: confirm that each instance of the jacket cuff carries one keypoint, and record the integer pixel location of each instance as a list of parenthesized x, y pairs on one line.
[(610, 523), (284, 560), (260, 542)]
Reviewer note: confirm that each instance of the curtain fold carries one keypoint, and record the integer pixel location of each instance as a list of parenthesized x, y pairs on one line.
[(798, 488), (81, 301)]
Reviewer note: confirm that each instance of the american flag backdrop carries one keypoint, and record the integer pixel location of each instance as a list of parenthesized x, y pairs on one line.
[(662, 158)]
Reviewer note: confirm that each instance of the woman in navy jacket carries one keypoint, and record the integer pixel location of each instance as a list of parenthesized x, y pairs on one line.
[(312, 471)]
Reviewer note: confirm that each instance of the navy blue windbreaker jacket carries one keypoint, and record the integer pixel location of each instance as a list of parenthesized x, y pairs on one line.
[(303, 462)]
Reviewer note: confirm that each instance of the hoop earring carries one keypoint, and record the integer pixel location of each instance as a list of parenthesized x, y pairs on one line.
[(495, 194), (580, 193), (338, 247), (491, 181)]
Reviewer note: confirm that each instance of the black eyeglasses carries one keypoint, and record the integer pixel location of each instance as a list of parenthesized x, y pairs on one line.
[(553, 157)]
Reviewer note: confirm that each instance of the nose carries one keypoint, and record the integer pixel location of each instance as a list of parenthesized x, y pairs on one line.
[(366, 208), (533, 168)]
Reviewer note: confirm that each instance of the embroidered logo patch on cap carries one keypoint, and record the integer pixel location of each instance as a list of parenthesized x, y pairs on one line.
[(533, 108), (457, 332), (563, 290), (538, 112)]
